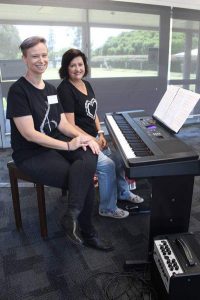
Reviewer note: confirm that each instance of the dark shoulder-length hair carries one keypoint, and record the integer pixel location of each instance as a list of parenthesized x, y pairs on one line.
[(67, 57), (31, 42)]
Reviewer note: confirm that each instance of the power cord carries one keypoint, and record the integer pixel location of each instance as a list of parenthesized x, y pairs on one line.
[(119, 285)]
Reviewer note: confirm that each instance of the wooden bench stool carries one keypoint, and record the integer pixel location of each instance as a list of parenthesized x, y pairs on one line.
[(16, 174)]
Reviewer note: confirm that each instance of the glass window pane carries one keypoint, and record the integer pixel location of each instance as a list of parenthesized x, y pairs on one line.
[(126, 44), (59, 39), (124, 52), (184, 49)]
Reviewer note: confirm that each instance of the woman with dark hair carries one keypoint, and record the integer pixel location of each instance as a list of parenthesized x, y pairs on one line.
[(48, 148), (80, 107)]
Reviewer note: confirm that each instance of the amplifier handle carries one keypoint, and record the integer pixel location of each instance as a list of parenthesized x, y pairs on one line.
[(186, 250)]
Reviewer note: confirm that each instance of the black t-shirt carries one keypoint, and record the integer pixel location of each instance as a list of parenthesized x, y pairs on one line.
[(24, 99), (83, 106)]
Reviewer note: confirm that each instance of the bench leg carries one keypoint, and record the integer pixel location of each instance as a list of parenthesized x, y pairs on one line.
[(42, 210), (15, 199)]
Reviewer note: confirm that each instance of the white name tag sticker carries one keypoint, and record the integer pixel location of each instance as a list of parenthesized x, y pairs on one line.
[(53, 99)]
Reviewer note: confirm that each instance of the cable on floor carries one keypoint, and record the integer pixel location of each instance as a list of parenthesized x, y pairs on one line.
[(119, 285)]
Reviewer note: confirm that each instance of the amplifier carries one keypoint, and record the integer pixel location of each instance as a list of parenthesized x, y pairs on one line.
[(176, 267)]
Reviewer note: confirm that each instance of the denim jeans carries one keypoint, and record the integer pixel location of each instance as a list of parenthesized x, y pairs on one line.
[(111, 178)]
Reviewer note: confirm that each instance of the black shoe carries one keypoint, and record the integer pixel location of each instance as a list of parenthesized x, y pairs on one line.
[(70, 225), (96, 243)]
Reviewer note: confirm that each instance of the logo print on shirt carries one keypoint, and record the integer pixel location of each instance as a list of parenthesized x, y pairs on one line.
[(91, 108), (46, 124)]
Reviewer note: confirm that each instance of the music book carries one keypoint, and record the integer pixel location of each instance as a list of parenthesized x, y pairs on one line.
[(175, 106)]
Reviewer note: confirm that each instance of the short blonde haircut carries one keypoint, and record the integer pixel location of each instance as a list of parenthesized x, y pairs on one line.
[(31, 42)]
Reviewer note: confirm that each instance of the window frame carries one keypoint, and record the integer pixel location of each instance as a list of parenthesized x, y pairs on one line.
[(190, 15)]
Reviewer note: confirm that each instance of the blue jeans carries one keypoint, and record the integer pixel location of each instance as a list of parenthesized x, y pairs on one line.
[(111, 178)]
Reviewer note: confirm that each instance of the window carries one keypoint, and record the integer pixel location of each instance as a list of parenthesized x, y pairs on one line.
[(128, 47), (59, 39), (184, 49), (184, 64)]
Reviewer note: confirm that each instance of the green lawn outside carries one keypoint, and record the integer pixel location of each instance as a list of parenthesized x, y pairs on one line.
[(52, 73)]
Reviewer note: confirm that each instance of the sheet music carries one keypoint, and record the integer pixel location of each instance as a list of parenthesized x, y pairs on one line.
[(175, 106)]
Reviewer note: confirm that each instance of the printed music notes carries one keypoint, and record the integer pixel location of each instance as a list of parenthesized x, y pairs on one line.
[(175, 106)]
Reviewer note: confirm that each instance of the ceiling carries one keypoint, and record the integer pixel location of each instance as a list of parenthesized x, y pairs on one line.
[(48, 11), (193, 4), (189, 4)]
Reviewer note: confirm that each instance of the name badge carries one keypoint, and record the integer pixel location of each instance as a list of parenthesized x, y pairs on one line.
[(53, 99)]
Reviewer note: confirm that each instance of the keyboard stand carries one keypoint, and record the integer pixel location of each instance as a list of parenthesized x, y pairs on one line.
[(170, 208)]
